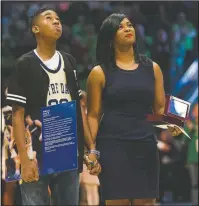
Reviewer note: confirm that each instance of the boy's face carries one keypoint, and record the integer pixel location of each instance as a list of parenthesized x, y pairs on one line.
[(48, 25)]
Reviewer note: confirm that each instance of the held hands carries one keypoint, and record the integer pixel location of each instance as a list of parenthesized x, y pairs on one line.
[(92, 164), (29, 171)]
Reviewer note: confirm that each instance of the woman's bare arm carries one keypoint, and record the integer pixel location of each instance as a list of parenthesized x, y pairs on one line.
[(159, 100), (95, 85)]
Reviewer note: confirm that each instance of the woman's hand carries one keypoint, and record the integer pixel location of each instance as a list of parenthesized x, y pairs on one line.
[(175, 131)]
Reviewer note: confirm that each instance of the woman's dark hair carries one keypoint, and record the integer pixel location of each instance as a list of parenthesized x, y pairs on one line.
[(105, 50)]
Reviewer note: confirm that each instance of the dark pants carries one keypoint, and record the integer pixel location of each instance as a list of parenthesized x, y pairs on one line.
[(64, 190)]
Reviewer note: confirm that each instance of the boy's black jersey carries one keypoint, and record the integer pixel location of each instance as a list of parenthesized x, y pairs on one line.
[(29, 87)]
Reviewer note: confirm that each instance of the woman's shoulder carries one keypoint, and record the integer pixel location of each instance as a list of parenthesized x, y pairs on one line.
[(143, 59), (151, 65), (97, 69), (97, 74)]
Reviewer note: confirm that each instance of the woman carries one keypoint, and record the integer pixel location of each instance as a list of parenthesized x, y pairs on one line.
[(122, 89)]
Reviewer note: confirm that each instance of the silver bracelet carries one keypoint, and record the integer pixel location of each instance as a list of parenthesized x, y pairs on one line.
[(94, 151)]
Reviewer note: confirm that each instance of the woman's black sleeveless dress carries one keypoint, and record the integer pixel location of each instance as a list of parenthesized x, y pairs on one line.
[(127, 142)]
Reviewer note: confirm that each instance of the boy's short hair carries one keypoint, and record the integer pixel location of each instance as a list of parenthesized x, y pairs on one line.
[(33, 18)]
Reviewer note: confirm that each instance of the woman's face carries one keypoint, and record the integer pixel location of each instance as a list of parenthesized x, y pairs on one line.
[(125, 35)]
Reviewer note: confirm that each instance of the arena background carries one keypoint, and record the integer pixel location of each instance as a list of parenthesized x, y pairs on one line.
[(167, 33)]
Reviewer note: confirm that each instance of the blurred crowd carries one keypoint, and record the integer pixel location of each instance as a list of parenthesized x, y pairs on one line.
[(166, 32), (179, 163)]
